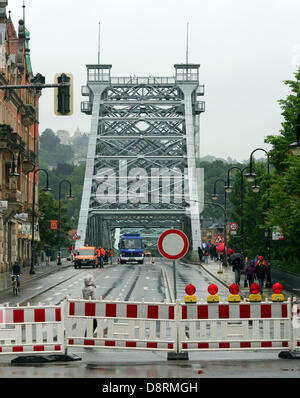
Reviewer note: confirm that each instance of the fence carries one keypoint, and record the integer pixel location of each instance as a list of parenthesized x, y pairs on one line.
[(32, 330), (122, 325), (235, 326), (172, 327)]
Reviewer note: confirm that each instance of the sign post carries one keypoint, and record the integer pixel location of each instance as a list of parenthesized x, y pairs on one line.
[(173, 244), (233, 228)]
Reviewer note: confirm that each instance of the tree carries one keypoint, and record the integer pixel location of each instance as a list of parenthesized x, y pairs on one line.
[(284, 192), (281, 143), (48, 140), (285, 212), (48, 208)]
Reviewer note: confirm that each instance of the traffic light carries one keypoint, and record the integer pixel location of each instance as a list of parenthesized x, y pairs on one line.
[(63, 95)]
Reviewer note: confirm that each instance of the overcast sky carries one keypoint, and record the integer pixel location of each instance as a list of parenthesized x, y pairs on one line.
[(246, 49)]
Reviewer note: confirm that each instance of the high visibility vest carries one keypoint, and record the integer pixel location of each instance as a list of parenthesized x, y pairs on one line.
[(111, 253)]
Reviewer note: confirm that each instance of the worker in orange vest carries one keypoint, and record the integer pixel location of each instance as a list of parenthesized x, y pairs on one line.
[(110, 256), (102, 254), (98, 252)]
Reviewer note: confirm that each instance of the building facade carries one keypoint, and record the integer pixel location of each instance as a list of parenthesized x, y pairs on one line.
[(18, 143)]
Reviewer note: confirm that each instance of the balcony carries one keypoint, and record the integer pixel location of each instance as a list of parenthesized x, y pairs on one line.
[(86, 107), (199, 107), (29, 162), (10, 139), (85, 91), (28, 115), (14, 199)]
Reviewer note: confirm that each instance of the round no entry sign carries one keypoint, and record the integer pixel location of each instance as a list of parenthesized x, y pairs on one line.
[(173, 244)]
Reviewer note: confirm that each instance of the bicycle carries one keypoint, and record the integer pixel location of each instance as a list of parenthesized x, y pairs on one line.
[(15, 285)]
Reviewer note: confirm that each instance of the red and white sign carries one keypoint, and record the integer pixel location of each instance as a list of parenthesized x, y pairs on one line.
[(75, 237), (218, 239), (233, 226), (173, 244)]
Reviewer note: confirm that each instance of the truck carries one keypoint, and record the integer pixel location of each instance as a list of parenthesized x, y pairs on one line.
[(131, 248)]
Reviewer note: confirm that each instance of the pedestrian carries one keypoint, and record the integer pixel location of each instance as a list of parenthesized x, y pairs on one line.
[(260, 260), (111, 254), (211, 252), (200, 253), (206, 254), (48, 255), (250, 272), (260, 271), (89, 293), (98, 254), (106, 256), (237, 266), (102, 254), (230, 252)]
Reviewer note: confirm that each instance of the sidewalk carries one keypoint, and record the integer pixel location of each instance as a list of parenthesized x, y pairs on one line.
[(227, 278), (26, 277)]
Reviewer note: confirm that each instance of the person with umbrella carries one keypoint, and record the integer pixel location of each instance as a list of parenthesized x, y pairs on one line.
[(237, 262)]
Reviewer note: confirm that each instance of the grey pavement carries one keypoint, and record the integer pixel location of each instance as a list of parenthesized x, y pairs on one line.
[(40, 270), (227, 278)]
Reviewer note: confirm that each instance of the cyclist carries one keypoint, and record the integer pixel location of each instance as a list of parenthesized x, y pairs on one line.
[(16, 271)]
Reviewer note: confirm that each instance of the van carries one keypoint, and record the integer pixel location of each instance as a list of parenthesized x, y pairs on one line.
[(85, 255)]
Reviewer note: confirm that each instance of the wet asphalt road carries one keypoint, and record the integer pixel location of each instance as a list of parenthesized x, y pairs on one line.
[(140, 282)]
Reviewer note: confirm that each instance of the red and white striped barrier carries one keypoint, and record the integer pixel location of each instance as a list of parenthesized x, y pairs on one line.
[(171, 327), (296, 326), (215, 326), (31, 330), (123, 325)]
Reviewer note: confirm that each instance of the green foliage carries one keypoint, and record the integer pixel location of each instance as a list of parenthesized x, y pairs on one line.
[(285, 188), (290, 109), (76, 178), (48, 208)]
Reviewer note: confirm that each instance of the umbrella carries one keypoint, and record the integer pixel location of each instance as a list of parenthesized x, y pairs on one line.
[(221, 247), (235, 256)]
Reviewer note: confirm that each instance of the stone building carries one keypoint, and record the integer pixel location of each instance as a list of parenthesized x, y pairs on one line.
[(18, 142)]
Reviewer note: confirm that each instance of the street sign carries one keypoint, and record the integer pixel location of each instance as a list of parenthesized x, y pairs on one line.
[(3, 204), (233, 226), (53, 224), (173, 244), (75, 237), (218, 239)]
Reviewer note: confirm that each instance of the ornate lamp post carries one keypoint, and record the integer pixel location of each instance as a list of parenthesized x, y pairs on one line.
[(251, 178), (47, 190), (70, 197)]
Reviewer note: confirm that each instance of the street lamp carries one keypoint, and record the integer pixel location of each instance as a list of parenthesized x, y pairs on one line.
[(70, 197), (47, 190), (251, 178), (295, 146)]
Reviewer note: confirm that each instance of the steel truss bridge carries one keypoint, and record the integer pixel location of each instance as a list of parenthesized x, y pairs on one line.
[(141, 162)]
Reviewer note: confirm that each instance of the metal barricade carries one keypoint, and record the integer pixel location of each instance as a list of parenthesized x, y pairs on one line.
[(235, 326), (121, 325), (33, 330)]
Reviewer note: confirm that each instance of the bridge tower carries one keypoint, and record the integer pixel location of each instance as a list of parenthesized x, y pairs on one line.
[(141, 163)]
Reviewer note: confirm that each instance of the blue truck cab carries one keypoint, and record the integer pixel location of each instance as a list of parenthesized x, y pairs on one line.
[(131, 248)]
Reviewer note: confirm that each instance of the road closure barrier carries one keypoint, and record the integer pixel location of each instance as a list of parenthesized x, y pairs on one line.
[(176, 328), (121, 325), (34, 330)]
